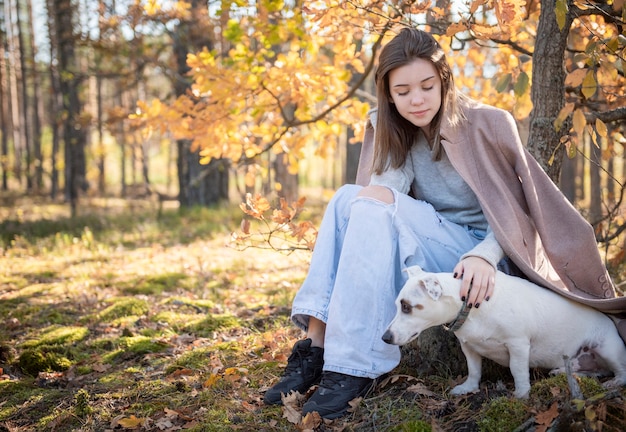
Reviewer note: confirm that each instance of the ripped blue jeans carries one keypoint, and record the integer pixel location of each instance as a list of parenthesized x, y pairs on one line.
[(356, 273)]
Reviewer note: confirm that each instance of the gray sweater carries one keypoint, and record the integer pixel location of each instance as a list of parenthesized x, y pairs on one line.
[(438, 183)]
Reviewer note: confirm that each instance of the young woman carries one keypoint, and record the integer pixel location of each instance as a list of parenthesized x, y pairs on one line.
[(478, 202)]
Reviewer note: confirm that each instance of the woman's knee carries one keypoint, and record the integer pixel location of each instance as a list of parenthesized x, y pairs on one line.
[(380, 193)]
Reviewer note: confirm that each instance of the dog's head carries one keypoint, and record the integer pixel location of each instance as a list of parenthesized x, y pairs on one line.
[(418, 307)]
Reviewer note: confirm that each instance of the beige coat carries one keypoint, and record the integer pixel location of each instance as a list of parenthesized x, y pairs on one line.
[(537, 227)]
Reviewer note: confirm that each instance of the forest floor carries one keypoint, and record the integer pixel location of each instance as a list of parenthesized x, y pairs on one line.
[(131, 318)]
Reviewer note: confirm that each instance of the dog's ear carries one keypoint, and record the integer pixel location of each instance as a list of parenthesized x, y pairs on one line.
[(432, 287), (413, 271)]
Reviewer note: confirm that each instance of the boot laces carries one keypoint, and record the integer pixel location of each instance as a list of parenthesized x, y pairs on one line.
[(296, 361)]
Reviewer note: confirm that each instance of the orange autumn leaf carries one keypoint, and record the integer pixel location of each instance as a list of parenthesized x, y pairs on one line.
[(211, 381), (131, 422), (509, 11), (455, 28)]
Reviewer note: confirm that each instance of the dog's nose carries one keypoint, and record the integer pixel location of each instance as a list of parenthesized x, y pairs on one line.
[(388, 337)]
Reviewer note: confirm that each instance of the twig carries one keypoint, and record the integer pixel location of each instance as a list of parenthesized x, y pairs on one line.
[(571, 380), (527, 425)]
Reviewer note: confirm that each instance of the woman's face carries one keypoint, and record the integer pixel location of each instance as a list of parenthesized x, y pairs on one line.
[(416, 92)]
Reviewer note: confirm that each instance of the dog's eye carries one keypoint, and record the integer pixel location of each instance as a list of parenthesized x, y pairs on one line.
[(405, 307)]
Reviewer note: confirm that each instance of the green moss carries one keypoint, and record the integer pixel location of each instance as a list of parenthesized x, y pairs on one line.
[(178, 320), (58, 335), (81, 403), (502, 414), (133, 346), (42, 359), (414, 426), (547, 390), (155, 285), (211, 323), (123, 308), (13, 394), (196, 359), (188, 305)]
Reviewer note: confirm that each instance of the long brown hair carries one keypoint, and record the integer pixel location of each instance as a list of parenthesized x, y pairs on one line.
[(394, 134)]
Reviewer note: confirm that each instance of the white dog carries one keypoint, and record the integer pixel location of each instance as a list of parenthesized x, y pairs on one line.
[(521, 326)]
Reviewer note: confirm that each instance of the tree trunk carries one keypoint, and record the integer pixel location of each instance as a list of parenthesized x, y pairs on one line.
[(595, 188), (120, 138), (55, 105), (353, 151), (36, 110), (15, 78), (5, 121), (100, 153), (198, 184), (548, 89), (74, 133), (288, 181), (22, 82), (568, 178), (202, 185)]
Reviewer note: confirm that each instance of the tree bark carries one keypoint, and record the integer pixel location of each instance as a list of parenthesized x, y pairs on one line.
[(353, 151), (74, 132), (15, 77), (548, 89), (595, 187), (55, 104), (199, 184), (568, 178), (24, 106), (37, 109), (5, 121)]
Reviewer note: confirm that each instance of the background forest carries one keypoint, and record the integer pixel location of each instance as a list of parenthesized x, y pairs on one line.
[(131, 130), (206, 101)]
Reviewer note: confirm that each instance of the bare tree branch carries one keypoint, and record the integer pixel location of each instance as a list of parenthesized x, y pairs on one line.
[(612, 116)]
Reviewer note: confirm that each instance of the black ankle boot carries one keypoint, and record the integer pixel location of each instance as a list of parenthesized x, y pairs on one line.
[(304, 368)]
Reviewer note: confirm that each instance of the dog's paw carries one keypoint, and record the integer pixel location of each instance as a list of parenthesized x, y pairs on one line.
[(522, 393), (464, 389), (615, 382)]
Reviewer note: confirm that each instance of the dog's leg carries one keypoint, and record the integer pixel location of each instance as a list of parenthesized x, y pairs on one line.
[(474, 371), (519, 358), (613, 352)]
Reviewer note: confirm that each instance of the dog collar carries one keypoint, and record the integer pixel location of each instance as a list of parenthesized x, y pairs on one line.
[(456, 324)]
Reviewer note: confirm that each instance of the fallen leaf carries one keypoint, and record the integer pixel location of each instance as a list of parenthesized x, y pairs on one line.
[(210, 382), (101, 367), (292, 398), (395, 378), (354, 403), (420, 389), (544, 419), (291, 414), (191, 424), (131, 422), (310, 422), (249, 407), (180, 372), (170, 413), (164, 423)]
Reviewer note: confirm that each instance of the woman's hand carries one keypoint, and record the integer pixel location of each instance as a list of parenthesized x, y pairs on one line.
[(478, 275)]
